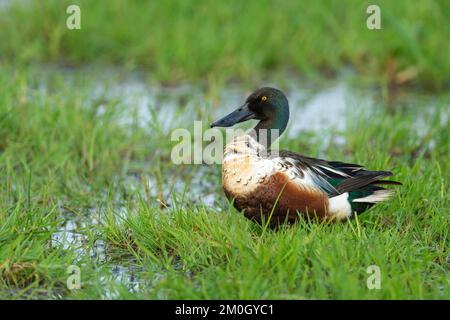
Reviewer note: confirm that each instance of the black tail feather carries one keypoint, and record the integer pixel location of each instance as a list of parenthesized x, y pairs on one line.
[(361, 179), (390, 182)]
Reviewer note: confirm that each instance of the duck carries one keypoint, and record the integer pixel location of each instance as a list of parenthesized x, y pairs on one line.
[(273, 187)]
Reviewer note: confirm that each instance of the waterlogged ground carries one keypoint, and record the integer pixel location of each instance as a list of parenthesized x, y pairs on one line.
[(171, 108), (101, 231)]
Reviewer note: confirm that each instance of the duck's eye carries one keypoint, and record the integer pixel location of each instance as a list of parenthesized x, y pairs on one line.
[(264, 98), (247, 144)]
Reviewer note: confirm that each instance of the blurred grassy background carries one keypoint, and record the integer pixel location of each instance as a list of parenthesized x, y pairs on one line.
[(191, 40)]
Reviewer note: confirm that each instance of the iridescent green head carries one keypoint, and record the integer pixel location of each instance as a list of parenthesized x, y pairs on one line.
[(269, 105)]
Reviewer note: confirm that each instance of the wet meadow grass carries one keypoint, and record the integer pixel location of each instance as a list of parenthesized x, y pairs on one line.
[(87, 180), (65, 156)]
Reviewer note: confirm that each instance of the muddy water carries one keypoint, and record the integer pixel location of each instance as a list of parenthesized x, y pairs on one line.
[(310, 107)]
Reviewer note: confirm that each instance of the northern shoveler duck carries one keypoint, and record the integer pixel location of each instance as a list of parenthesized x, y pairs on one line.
[(284, 185)]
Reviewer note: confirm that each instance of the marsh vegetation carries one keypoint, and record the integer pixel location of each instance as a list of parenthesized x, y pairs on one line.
[(85, 171)]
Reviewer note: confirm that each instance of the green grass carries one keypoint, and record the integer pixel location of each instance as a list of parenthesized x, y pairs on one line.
[(225, 40), (69, 161), (67, 157)]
